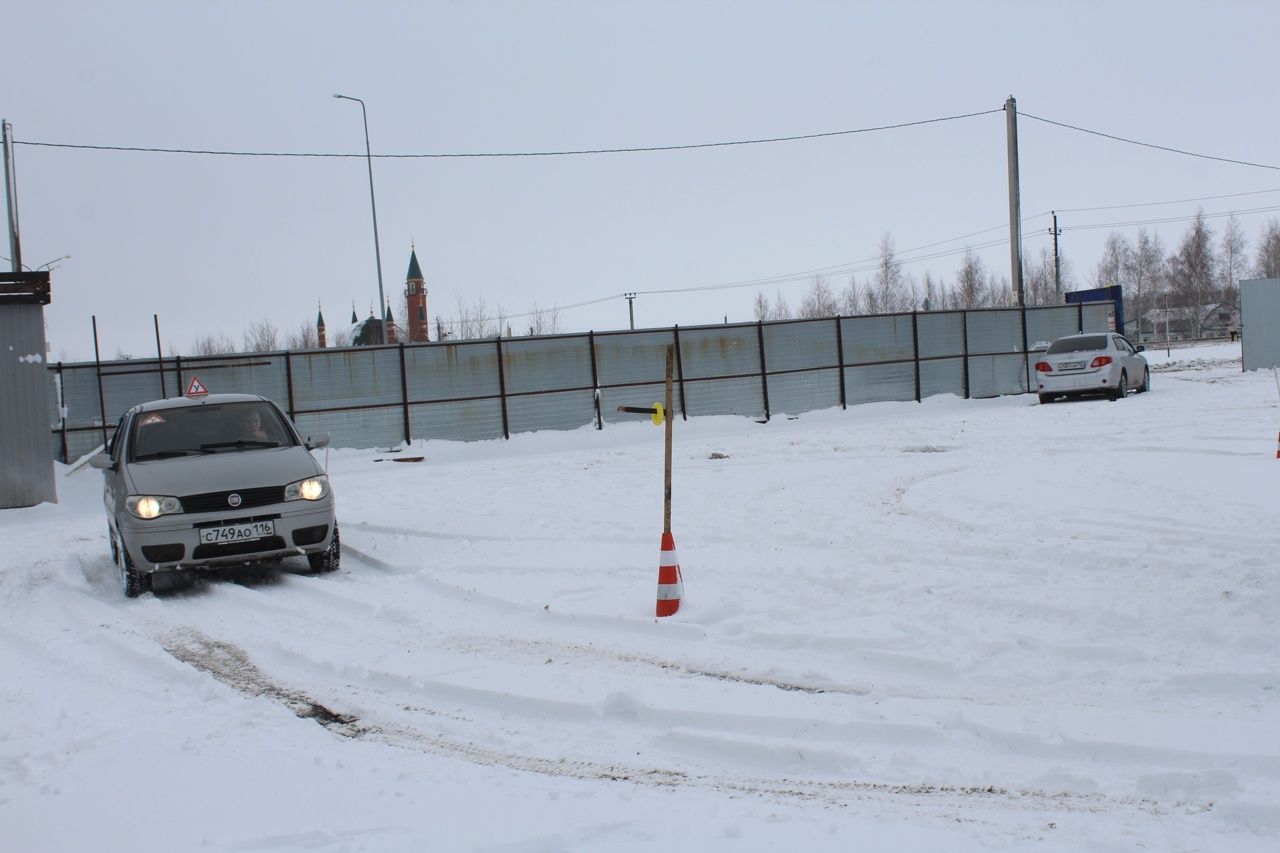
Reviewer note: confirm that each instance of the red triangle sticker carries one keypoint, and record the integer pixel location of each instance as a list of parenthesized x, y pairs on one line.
[(196, 388)]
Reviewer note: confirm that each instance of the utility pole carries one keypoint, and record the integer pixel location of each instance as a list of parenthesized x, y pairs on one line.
[(631, 307), (1015, 216), (11, 195), (1057, 266)]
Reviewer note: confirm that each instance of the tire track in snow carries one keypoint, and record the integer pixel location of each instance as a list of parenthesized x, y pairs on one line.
[(230, 665)]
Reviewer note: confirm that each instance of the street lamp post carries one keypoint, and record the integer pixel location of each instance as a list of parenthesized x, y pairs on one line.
[(377, 251)]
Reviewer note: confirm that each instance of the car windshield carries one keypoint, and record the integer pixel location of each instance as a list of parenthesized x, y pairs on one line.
[(192, 430), (1082, 343)]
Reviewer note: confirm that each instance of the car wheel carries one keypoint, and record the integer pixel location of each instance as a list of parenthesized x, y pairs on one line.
[(1046, 399), (1146, 381), (329, 559), (135, 583), (1122, 388)]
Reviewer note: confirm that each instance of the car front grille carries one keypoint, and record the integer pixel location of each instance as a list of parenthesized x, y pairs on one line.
[(217, 501)]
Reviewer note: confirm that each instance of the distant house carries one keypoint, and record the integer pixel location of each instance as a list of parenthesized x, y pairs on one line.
[(1218, 320)]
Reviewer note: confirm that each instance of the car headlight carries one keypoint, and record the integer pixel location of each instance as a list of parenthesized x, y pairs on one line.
[(152, 506), (310, 489)]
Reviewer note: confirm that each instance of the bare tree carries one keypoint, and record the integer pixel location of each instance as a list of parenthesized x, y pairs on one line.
[(210, 345), (544, 322), (935, 296), (761, 307), (305, 337), (1144, 273), (1267, 262), (1193, 271), (889, 288), (1234, 260), (1038, 287), (819, 301), (781, 310), (262, 336), (851, 299), (1111, 267), (971, 283)]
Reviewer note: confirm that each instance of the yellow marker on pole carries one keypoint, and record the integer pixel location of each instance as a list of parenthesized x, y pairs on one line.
[(658, 413)]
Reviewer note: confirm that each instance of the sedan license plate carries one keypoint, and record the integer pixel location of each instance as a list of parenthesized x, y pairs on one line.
[(1071, 365), (238, 532)]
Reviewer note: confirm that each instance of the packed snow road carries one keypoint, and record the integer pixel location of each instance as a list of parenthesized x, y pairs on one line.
[(956, 625)]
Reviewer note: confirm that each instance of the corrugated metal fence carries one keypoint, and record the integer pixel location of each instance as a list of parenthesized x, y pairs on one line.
[(483, 389)]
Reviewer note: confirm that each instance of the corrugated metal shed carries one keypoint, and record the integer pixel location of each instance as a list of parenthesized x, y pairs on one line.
[(26, 468)]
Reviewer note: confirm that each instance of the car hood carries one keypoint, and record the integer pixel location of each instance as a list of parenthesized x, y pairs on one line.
[(222, 472)]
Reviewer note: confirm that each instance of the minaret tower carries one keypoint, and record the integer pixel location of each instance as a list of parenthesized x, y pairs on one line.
[(415, 291), (320, 327), (389, 322)]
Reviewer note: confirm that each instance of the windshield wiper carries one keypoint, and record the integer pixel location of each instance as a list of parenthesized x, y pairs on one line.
[(239, 443), (162, 454)]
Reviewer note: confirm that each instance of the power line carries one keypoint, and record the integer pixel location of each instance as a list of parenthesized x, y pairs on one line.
[(1158, 203), (1150, 144), (1169, 219), (632, 150)]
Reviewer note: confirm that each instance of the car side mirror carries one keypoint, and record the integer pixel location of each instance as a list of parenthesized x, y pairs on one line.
[(315, 442), (102, 461), (1139, 348)]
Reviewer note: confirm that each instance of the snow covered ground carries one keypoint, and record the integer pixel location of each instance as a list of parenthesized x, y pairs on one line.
[(955, 625)]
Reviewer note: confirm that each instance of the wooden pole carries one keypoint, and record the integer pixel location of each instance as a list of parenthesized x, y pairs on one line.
[(666, 417)]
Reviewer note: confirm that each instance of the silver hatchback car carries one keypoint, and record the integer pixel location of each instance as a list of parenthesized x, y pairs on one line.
[(217, 480), (1095, 363)]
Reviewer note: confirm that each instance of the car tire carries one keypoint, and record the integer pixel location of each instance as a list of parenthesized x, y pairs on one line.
[(1146, 381), (134, 582), (330, 558), (1122, 388), (1046, 399)]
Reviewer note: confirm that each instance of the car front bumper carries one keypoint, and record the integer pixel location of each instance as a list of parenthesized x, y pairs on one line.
[(174, 541)]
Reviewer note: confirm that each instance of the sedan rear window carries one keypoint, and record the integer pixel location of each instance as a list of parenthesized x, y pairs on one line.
[(1084, 343)]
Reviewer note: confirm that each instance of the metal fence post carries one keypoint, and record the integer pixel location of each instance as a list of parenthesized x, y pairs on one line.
[(844, 404), (915, 350), (1026, 362), (595, 378), (964, 334), (404, 397), (502, 391), (62, 413), (764, 372), (288, 380)]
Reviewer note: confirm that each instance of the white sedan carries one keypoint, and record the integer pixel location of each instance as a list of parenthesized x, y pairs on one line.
[(1095, 363)]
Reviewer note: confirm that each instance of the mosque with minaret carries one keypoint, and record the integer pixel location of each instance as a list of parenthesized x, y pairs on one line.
[(365, 332)]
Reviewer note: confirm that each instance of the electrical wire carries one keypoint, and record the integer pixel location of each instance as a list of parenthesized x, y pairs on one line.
[(1150, 144), (633, 150)]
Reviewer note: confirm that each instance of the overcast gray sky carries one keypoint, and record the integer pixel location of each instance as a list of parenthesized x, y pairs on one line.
[(212, 244)]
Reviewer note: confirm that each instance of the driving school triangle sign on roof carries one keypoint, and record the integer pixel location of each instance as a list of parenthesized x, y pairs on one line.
[(196, 388)]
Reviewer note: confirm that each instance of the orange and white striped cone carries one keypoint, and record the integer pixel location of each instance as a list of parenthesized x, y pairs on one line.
[(670, 583)]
